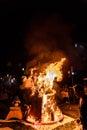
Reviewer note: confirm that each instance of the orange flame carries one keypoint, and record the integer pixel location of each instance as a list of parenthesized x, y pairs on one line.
[(55, 70)]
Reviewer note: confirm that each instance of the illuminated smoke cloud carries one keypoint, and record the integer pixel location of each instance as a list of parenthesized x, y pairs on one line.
[(48, 39)]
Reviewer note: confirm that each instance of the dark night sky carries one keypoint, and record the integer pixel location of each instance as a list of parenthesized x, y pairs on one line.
[(16, 23)]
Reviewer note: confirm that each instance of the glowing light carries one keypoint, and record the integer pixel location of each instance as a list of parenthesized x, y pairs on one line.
[(22, 69), (76, 44)]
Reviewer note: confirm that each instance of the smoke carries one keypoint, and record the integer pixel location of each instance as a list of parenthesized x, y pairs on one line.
[(48, 39)]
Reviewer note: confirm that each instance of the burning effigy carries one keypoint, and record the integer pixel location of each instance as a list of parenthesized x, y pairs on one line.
[(40, 95)]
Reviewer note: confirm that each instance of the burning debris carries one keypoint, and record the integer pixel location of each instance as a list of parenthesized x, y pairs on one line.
[(40, 95), (50, 110)]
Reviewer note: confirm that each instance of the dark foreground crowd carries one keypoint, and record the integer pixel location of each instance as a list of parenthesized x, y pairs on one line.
[(81, 92)]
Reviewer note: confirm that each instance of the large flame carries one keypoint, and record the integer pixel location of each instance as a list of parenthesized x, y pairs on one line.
[(43, 84), (54, 70)]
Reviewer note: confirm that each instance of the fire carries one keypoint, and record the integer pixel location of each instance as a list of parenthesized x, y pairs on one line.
[(41, 86), (55, 70)]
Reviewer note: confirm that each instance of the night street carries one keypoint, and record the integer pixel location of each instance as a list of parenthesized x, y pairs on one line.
[(43, 65)]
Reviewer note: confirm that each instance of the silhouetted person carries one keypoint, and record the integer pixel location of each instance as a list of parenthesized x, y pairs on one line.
[(80, 92)]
